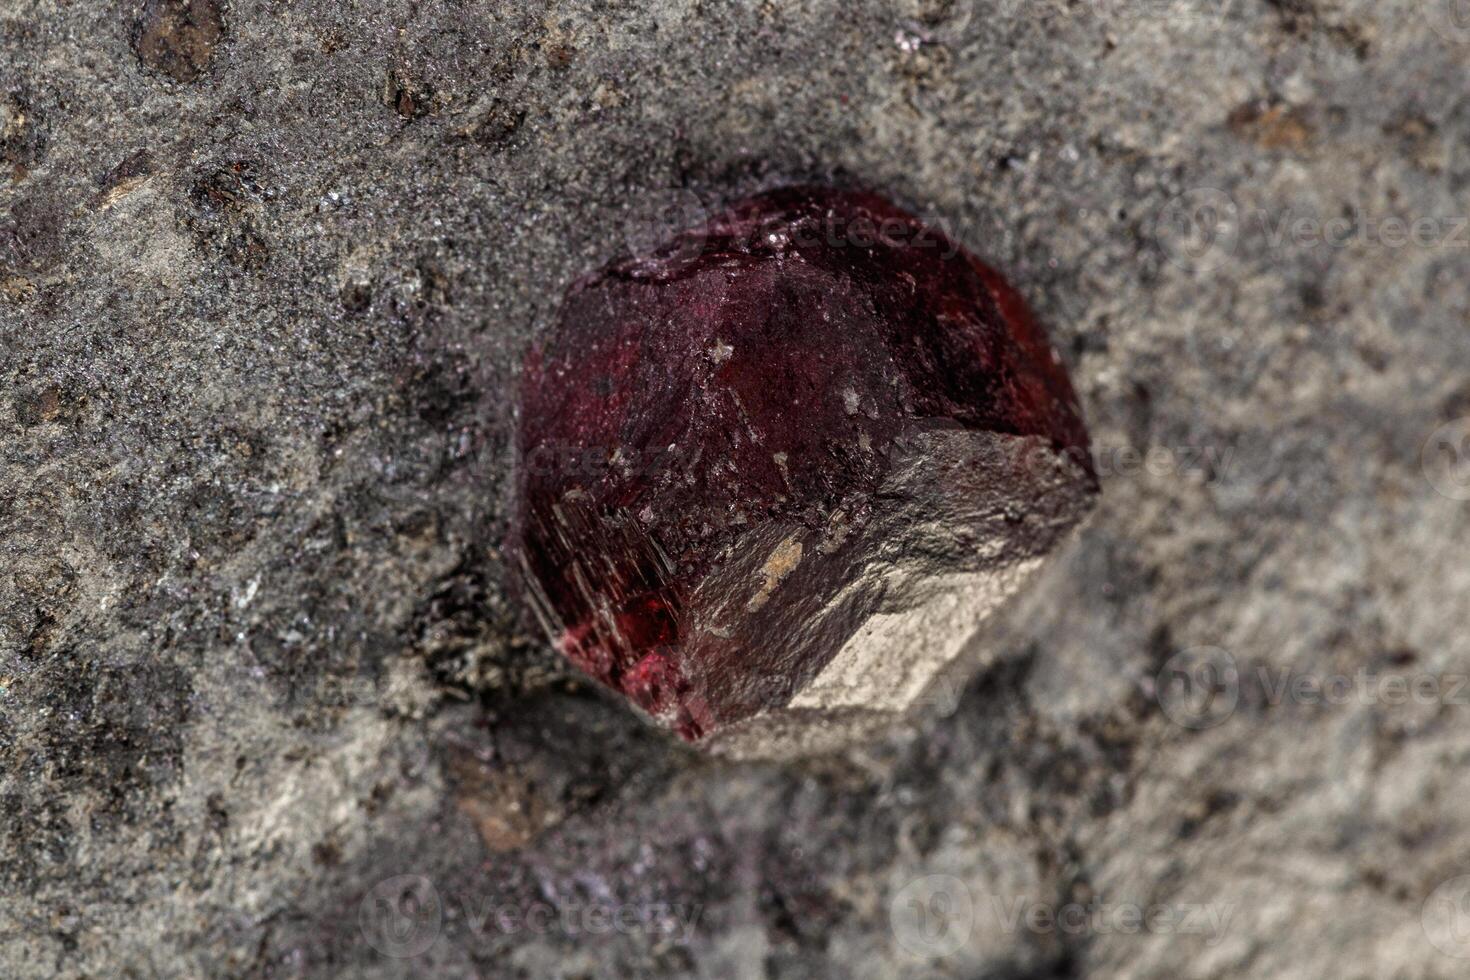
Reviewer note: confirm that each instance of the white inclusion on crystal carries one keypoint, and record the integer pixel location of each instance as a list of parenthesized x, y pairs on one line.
[(850, 400), (721, 351), (664, 564), (745, 417)]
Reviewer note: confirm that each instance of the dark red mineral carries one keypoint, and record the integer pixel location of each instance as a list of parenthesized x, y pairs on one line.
[(773, 476)]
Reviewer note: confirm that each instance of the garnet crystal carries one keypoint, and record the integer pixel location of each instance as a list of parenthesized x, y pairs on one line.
[(774, 475)]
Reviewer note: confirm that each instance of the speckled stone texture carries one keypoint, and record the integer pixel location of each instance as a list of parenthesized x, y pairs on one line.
[(267, 275)]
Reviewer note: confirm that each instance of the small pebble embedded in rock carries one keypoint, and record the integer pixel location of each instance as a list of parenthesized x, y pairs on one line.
[(773, 475)]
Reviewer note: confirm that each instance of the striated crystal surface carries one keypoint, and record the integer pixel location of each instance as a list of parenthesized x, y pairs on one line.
[(773, 476)]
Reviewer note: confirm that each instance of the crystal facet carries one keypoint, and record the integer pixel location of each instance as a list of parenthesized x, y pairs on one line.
[(772, 476)]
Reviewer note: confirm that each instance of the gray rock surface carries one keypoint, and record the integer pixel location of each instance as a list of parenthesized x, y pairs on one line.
[(266, 274)]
